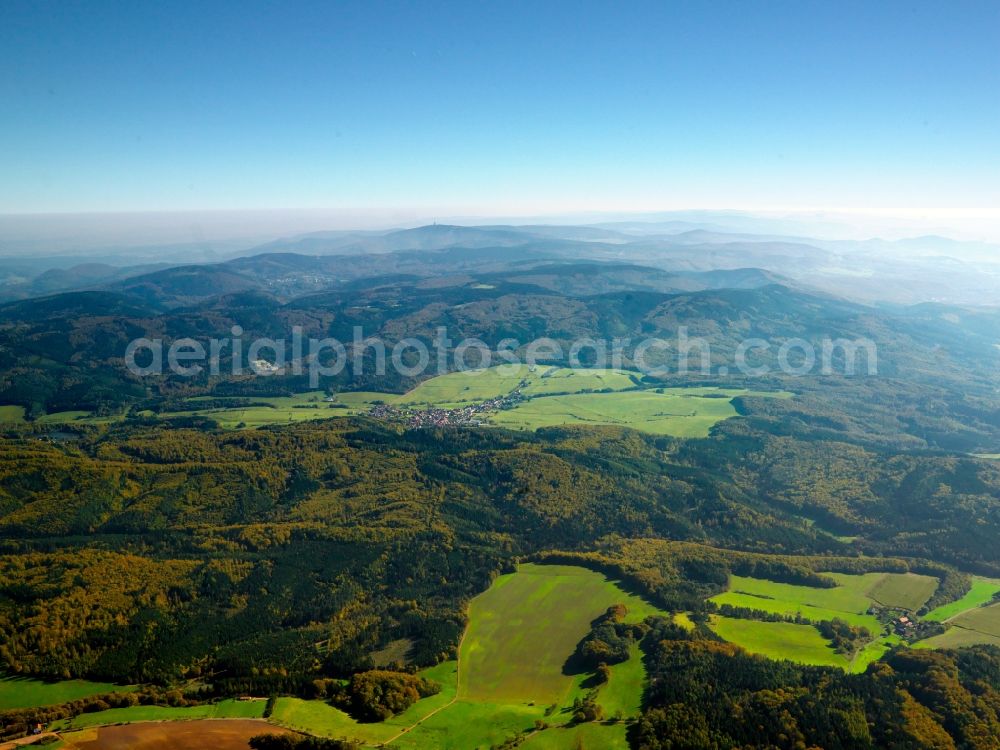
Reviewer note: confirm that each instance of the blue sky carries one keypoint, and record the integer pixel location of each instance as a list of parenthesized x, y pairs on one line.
[(499, 107)]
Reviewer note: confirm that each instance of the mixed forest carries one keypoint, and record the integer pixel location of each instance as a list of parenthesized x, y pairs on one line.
[(333, 559)]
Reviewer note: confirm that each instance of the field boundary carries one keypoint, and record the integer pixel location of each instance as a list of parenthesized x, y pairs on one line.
[(439, 709)]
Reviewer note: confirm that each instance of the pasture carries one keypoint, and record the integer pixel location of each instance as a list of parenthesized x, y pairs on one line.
[(276, 410), (227, 709), (849, 600), (902, 591), (555, 396), (470, 386), (622, 694), (591, 736), (22, 692), (524, 628), (982, 592), (465, 725), (973, 626), (956, 637), (320, 718), (10, 414), (521, 632), (567, 380), (648, 411), (985, 620), (779, 640)]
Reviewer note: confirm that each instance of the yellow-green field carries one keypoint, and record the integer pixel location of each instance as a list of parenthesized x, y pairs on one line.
[(554, 397), (11, 414), (900, 591), (604, 736), (566, 380), (648, 411), (509, 673), (22, 692), (976, 625), (779, 640), (470, 386), (227, 709), (524, 628), (848, 601), (982, 592)]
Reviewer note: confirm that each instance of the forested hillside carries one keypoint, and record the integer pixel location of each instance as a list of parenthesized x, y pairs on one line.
[(299, 551), (707, 694), (148, 535)]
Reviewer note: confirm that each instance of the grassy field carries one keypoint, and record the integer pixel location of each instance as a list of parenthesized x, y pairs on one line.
[(466, 725), (848, 601), (958, 638), (317, 717), (322, 719), (779, 640), (556, 396), (580, 737), (62, 417), (524, 628), (567, 380), (520, 634), (227, 709), (976, 625), (902, 591), (648, 411), (11, 414), (300, 407), (982, 592), (984, 620), (21, 692), (623, 692), (470, 386)]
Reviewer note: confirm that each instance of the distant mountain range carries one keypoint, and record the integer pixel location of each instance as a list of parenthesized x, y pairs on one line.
[(921, 269)]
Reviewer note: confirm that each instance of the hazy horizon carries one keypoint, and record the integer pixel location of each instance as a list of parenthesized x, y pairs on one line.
[(55, 233)]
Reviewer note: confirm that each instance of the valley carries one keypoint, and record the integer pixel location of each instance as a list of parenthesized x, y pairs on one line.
[(434, 560), (522, 397)]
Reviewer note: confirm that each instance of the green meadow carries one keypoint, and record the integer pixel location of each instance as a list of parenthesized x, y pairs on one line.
[(956, 637), (985, 620), (622, 694), (300, 407), (848, 601), (660, 413), (22, 692), (900, 590), (554, 397), (982, 592), (227, 709), (979, 624), (976, 625), (779, 640), (567, 380), (470, 386), (11, 414), (524, 628), (591, 736), (509, 673)]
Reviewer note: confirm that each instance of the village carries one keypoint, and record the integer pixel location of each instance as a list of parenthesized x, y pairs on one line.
[(466, 416)]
